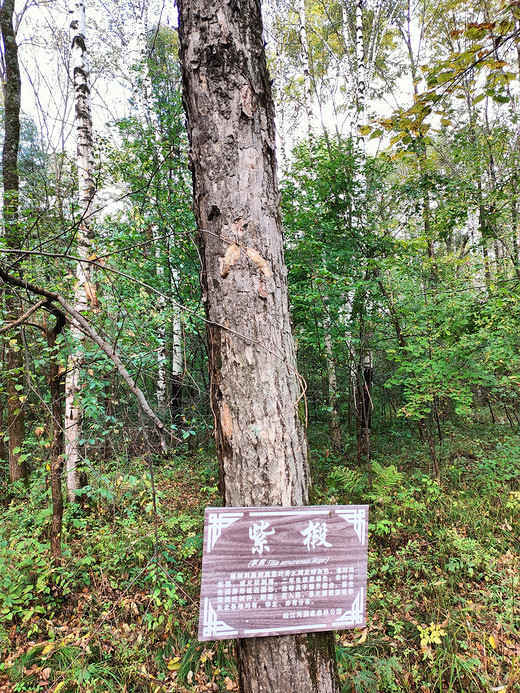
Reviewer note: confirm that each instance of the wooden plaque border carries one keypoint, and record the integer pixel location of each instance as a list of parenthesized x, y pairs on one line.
[(283, 553)]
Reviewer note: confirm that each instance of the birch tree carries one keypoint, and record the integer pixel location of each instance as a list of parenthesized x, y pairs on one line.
[(84, 291), (144, 98), (255, 389)]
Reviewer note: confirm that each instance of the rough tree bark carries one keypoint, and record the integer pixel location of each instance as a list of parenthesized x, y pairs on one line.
[(14, 356), (84, 289), (255, 390)]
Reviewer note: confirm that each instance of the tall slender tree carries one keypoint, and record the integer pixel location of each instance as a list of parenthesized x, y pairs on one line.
[(255, 391), (84, 291), (14, 355), (149, 117)]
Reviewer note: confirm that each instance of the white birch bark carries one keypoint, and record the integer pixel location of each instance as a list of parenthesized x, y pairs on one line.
[(359, 120), (149, 117), (84, 291), (307, 87), (361, 371)]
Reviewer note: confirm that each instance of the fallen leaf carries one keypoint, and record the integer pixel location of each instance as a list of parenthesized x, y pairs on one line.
[(363, 637)]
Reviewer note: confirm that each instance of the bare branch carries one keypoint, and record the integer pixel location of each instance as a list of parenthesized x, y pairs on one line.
[(23, 317)]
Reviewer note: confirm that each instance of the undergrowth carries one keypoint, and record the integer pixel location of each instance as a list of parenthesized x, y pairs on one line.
[(121, 611)]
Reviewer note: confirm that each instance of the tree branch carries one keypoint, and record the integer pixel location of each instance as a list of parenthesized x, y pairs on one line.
[(23, 317), (85, 326)]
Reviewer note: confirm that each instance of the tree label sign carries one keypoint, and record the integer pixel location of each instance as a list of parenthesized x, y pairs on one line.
[(277, 570)]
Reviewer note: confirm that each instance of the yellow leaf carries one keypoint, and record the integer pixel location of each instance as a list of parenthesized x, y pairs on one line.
[(259, 261), (59, 687), (363, 637), (174, 664), (50, 647), (492, 642)]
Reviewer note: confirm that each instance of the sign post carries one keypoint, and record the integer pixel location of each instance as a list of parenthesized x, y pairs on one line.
[(275, 570)]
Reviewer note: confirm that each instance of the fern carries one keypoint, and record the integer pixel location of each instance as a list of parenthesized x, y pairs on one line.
[(384, 480), (346, 480)]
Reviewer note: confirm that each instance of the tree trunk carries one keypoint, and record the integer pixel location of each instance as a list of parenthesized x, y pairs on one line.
[(150, 118), (177, 353), (332, 382), (255, 393), (335, 429), (364, 411), (57, 447), (14, 355), (365, 368), (304, 45), (15, 407), (84, 291), (361, 84)]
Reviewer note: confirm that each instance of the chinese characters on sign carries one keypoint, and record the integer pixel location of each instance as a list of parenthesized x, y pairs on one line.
[(258, 533), (315, 535), (269, 571)]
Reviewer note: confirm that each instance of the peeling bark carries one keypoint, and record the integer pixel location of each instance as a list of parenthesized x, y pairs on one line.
[(255, 389)]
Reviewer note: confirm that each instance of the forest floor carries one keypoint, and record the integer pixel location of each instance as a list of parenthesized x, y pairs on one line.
[(121, 613)]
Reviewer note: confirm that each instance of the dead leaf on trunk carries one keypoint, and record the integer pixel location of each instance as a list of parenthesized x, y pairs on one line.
[(229, 259), (259, 261), (91, 294)]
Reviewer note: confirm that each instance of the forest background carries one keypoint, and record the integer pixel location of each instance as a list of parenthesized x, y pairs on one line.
[(398, 145)]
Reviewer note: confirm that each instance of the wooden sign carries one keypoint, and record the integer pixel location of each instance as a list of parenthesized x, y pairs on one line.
[(274, 571)]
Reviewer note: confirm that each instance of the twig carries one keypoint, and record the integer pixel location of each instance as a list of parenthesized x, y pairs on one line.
[(23, 317)]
